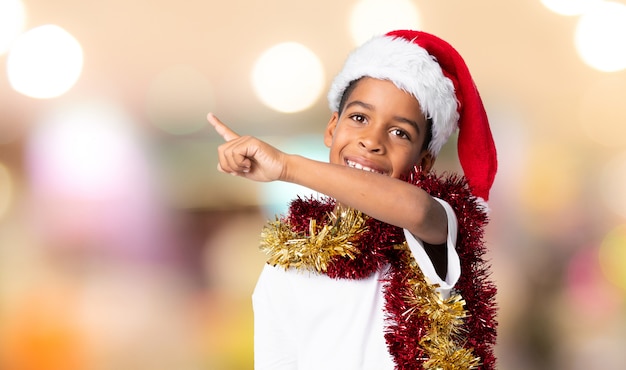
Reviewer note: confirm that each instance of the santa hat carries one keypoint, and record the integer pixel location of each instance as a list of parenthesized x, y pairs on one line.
[(433, 72)]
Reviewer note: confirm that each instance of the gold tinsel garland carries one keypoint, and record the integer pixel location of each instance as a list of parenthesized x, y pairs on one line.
[(287, 248), (445, 318), (315, 252)]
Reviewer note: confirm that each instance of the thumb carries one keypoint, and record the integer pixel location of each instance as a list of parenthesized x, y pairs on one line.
[(223, 130)]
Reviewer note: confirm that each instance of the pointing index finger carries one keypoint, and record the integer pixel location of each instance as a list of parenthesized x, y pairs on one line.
[(223, 130)]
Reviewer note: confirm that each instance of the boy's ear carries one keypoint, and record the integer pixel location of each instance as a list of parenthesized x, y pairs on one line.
[(330, 129), (427, 161)]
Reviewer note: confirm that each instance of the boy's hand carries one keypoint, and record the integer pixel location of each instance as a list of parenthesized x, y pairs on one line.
[(247, 156)]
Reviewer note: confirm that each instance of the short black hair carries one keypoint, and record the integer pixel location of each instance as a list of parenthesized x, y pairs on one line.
[(428, 136)]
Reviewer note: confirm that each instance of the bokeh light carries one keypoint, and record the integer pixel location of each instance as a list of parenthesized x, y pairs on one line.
[(92, 184), (178, 99), (43, 321), (374, 17), (12, 18), (612, 184), (288, 77), (6, 190), (613, 256), (44, 62), (601, 35), (84, 150), (569, 7)]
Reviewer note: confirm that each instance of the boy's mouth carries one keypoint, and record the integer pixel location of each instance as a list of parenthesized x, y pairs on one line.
[(359, 166)]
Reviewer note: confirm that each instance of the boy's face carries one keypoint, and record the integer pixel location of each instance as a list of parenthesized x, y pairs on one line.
[(381, 129)]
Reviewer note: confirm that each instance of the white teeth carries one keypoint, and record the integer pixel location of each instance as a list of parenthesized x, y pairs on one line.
[(359, 166)]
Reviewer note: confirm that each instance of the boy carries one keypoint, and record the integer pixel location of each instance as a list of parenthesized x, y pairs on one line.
[(369, 278)]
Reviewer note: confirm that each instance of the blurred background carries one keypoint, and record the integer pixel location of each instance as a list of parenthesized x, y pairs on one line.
[(122, 247)]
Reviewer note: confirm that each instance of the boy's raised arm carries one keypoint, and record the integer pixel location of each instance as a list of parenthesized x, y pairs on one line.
[(387, 199)]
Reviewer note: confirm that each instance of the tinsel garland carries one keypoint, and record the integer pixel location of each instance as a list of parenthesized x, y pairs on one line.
[(443, 339), (474, 284), (317, 248), (424, 331)]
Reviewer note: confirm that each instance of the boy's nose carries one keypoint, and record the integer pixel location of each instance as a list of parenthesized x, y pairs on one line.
[(372, 142)]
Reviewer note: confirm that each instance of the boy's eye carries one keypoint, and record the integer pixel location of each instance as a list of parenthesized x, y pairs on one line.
[(358, 118), (400, 133)]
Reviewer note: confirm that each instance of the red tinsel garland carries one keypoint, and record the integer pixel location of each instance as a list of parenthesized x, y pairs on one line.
[(377, 248)]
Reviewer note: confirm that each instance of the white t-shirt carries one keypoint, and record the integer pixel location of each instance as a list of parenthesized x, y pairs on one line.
[(308, 321)]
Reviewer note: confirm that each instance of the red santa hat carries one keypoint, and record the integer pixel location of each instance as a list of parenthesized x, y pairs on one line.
[(433, 72)]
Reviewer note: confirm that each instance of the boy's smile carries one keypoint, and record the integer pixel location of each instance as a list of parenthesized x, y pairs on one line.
[(359, 166), (381, 130)]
